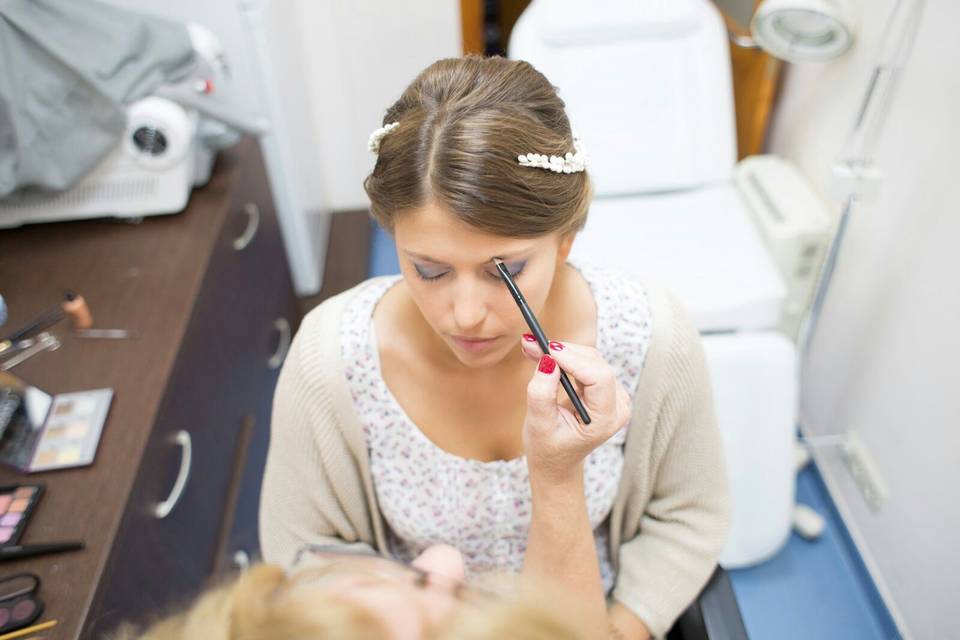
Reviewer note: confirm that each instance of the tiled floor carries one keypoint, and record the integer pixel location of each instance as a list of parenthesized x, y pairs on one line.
[(810, 590)]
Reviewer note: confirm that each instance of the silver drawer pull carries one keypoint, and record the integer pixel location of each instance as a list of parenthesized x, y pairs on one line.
[(281, 325), (241, 560), (253, 223), (163, 509)]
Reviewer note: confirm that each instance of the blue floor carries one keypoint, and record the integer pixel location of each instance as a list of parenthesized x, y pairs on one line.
[(810, 590)]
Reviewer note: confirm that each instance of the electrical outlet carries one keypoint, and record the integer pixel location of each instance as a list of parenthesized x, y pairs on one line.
[(864, 471)]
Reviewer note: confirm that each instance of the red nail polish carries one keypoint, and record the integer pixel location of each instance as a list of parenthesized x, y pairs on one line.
[(556, 346), (529, 337), (547, 364)]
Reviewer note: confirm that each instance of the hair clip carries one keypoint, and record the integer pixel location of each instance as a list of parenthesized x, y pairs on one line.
[(374, 143), (569, 163)]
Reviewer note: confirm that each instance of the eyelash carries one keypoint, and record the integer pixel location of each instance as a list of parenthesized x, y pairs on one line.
[(491, 275)]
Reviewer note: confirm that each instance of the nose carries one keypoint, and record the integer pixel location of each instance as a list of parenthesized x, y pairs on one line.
[(441, 560), (469, 305)]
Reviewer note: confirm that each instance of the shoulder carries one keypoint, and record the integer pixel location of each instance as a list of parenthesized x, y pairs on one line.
[(312, 393), (316, 347), (675, 379), (331, 309), (624, 320), (675, 336), (321, 324), (622, 301)]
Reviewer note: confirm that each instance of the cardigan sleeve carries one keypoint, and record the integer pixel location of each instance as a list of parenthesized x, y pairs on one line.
[(684, 524), (300, 502)]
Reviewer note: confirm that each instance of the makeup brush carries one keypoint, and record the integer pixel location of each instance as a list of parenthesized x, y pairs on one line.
[(73, 305), (541, 338)]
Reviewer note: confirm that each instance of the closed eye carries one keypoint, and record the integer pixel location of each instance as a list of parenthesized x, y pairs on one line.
[(432, 274), (429, 274), (514, 269)]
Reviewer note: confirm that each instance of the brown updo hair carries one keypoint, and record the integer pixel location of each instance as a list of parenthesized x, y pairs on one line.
[(462, 124)]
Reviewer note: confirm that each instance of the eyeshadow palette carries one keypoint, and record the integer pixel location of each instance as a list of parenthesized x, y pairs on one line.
[(19, 604), (72, 431), (39, 432), (17, 502)]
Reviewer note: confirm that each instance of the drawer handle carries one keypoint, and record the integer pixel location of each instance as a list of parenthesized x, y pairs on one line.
[(163, 509), (281, 325), (241, 560), (253, 223)]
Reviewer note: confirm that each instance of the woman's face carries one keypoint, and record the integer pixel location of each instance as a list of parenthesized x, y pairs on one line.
[(448, 270)]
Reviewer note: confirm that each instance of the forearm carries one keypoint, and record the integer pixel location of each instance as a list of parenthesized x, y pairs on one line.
[(561, 547), (625, 624)]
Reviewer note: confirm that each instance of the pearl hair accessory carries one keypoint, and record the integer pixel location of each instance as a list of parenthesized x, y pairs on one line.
[(374, 143), (570, 163)]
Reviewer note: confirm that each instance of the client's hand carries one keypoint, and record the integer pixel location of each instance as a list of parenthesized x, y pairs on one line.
[(554, 440)]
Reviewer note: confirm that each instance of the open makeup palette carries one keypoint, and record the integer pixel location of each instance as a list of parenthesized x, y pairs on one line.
[(17, 502), (40, 432)]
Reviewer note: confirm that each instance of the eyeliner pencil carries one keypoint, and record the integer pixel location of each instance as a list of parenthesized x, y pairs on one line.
[(541, 338), (15, 552)]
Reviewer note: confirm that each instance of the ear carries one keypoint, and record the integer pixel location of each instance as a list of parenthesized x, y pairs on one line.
[(566, 244)]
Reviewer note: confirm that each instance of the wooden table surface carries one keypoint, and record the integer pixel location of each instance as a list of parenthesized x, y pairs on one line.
[(140, 277)]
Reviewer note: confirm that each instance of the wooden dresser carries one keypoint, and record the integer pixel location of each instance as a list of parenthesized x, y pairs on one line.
[(209, 293)]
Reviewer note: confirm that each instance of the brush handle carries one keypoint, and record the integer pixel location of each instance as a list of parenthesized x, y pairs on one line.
[(46, 319), (542, 340)]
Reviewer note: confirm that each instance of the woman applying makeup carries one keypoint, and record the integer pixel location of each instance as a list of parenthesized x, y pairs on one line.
[(412, 411)]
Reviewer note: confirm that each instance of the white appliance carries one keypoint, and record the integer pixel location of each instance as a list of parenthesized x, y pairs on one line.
[(794, 223), (167, 148), (266, 67), (648, 88), (151, 171)]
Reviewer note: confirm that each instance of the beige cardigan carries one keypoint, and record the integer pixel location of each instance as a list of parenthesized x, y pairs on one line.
[(671, 513)]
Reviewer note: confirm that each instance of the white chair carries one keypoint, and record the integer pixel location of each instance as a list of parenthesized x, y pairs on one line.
[(648, 88)]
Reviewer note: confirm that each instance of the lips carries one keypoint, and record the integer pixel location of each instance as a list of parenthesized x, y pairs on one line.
[(473, 344)]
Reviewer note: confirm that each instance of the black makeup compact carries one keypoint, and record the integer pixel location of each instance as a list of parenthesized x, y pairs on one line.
[(19, 604)]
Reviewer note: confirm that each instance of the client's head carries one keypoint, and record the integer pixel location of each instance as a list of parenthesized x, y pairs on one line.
[(338, 594), (450, 186)]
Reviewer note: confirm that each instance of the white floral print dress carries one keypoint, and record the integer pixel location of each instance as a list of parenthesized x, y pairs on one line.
[(429, 496)]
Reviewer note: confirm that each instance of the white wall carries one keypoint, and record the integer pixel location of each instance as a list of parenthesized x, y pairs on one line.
[(336, 66), (359, 55), (885, 360), (300, 206)]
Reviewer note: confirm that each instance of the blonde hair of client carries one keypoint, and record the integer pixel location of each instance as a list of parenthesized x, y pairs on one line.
[(265, 603)]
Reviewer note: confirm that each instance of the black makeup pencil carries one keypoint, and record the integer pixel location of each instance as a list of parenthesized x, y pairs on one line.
[(541, 338), (15, 552)]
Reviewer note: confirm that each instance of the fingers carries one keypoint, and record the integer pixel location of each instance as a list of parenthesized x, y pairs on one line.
[(595, 380), (542, 393), (529, 347), (441, 559), (589, 369), (584, 363)]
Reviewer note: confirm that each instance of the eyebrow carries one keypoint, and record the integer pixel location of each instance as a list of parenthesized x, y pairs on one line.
[(506, 257)]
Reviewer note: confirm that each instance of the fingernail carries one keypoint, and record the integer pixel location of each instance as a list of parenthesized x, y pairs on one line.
[(547, 364), (529, 337), (556, 346)]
